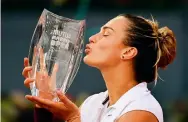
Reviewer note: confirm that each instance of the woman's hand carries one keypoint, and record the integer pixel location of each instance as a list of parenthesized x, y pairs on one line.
[(27, 69), (44, 83), (65, 109)]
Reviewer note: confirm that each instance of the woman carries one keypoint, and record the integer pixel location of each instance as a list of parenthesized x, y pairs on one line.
[(128, 51)]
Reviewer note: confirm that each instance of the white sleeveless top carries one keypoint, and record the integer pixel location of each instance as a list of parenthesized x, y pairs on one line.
[(94, 108)]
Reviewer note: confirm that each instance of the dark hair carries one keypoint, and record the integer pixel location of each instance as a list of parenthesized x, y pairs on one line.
[(156, 47)]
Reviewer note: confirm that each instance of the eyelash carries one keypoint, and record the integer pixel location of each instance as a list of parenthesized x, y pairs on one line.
[(105, 35)]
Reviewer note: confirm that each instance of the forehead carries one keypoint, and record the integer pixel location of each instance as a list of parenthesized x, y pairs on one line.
[(119, 23)]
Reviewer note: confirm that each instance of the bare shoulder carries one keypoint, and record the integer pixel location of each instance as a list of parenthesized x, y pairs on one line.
[(138, 116)]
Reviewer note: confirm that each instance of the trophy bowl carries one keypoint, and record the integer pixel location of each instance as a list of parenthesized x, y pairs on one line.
[(55, 54)]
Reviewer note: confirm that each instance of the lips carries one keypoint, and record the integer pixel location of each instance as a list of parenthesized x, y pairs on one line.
[(87, 49)]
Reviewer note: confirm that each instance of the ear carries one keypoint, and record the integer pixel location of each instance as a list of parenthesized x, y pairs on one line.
[(128, 53)]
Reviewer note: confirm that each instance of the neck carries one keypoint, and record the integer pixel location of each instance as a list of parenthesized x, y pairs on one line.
[(118, 81)]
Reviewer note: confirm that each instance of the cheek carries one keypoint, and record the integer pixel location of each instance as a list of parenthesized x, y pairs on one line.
[(102, 48), (106, 49), (104, 54)]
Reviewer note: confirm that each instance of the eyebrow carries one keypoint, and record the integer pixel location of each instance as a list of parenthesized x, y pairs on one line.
[(106, 27)]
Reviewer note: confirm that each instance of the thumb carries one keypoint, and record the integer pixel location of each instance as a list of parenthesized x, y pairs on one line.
[(64, 99)]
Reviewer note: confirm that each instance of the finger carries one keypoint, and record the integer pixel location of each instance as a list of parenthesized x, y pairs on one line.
[(26, 71), (64, 99), (42, 60), (41, 102), (55, 69), (26, 62), (30, 98), (34, 55), (42, 20), (37, 106), (28, 81), (53, 76)]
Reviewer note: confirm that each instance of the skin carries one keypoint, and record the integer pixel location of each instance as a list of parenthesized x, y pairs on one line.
[(107, 53)]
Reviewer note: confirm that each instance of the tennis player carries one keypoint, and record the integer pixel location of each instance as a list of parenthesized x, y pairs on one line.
[(128, 51)]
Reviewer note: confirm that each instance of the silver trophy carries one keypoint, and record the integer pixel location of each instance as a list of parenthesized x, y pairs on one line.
[(55, 54)]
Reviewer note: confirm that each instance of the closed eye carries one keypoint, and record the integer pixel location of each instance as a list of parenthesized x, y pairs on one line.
[(106, 33)]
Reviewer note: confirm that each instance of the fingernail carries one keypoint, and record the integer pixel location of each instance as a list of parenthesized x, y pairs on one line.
[(28, 96), (59, 92)]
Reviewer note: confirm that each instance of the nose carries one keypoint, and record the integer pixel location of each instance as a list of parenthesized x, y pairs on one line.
[(94, 38)]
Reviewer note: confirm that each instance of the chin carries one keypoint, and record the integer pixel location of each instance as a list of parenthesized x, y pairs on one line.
[(89, 61)]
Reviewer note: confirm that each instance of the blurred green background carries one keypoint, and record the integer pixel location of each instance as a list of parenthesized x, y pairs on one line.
[(18, 21)]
